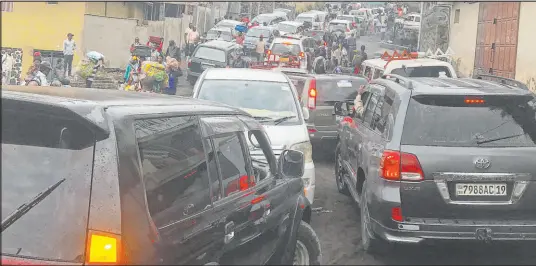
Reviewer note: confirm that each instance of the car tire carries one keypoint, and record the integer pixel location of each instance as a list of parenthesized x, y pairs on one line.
[(371, 243), (339, 173), (308, 250)]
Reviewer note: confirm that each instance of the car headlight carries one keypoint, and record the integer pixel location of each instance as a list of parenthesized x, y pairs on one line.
[(306, 148)]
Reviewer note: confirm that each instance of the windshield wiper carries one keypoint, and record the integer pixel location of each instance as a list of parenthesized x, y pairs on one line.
[(500, 138), (26, 207), (262, 118), (283, 119)]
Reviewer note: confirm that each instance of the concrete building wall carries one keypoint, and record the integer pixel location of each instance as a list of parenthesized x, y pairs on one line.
[(526, 57), (463, 35), (41, 26), (113, 36), (115, 9)]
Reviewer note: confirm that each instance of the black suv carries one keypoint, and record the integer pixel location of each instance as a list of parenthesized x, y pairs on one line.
[(440, 158), (127, 178), (211, 54)]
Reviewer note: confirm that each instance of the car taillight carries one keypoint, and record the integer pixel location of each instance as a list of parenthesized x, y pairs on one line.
[(103, 248), (302, 54), (398, 166), (396, 214), (311, 102), (269, 52)]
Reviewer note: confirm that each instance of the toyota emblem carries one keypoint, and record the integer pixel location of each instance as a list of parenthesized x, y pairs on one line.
[(482, 163)]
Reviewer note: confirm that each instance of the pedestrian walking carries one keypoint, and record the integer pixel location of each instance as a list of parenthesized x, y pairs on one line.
[(69, 46), (174, 72), (173, 51), (260, 49)]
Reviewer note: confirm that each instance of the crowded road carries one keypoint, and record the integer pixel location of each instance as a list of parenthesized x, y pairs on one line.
[(336, 222)]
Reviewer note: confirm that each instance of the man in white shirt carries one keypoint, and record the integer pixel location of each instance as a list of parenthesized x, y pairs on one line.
[(69, 46), (193, 35), (7, 66)]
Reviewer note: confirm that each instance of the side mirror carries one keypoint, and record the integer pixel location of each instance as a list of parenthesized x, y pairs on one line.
[(305, 112), (291, 164), (341, 109)]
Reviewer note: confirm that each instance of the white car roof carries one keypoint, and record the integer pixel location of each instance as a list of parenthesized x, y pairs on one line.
[(380, 63), (292, 23), (308, 15), (340, 21), (245, 74), (282, 40), (229, 21)]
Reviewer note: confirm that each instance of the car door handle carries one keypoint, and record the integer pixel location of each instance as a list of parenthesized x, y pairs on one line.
[(188, 208), (229, 232)]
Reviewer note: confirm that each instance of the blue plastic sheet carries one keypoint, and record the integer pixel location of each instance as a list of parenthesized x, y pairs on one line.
[(241, 28)]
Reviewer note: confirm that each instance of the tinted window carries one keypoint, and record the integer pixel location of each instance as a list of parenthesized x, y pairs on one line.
[(174, 167), (425, 72), (40, 150), (286, 49), (330, 91), (217, 193), (231, 161), (209, 53), (500, 117), (369, 108), (381, 114), (256, 32)]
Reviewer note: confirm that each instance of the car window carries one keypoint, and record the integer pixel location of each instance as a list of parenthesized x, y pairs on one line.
[(381, 113), (330, 91), (424, 71), (508, 120), (259, 98), (210, 53), (377, 73), (286, 49), (368, 72), (287, 28), (231, 161), (42, 149), (369, 108), (174, 166)]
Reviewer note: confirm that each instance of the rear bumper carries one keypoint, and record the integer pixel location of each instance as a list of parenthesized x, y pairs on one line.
[(322, 137), (435, 229)]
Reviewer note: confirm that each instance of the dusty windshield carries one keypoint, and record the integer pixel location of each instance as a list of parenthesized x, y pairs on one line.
[(223, 35), (256, 32), (304, 19), (266, 100), (287, 28)]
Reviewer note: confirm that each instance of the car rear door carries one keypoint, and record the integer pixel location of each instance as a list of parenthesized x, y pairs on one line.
[(177, 173), (475, 155), (328, 92)]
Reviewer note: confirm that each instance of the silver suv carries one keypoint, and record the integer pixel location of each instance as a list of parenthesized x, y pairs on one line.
[(440, 158)]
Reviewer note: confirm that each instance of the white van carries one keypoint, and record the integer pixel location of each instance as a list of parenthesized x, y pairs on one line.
[(420, 67), (322, 15), (314, 18), (271, 98)]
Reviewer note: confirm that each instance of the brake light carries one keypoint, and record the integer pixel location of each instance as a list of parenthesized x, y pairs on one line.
[(269, 52), (398, 166), (103, 248), (474, 101), (311, 103), (311, 130), (302, 54), (396, 214)]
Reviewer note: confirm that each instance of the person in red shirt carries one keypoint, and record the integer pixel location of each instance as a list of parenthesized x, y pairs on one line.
[(240, 38)]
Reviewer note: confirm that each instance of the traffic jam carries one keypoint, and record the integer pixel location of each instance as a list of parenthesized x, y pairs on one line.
[(301, 141)]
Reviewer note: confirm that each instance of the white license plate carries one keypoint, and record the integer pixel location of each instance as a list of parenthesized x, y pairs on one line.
[(468, 189)]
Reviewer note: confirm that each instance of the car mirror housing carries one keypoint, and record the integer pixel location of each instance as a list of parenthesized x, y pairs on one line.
[(291, 164)]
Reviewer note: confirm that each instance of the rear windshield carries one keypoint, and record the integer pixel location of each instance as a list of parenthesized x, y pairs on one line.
[(256, 32), (424, 72), (224, 35), (287, 28), (286, 49), (304, 19), (209, 53), (330, 91), (337, 26), (317, 35), (40, 151), (449, 121), (263, 18), (347, 18)]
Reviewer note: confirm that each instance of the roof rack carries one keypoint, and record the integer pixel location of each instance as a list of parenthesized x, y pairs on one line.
[(397, 78), (503, 81)]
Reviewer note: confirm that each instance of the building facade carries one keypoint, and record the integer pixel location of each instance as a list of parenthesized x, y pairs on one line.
[(494, 38)]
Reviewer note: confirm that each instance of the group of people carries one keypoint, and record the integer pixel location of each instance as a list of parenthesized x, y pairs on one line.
[(152, 73)]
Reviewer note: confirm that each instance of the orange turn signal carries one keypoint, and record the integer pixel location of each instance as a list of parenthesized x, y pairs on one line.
[(103, 248)]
